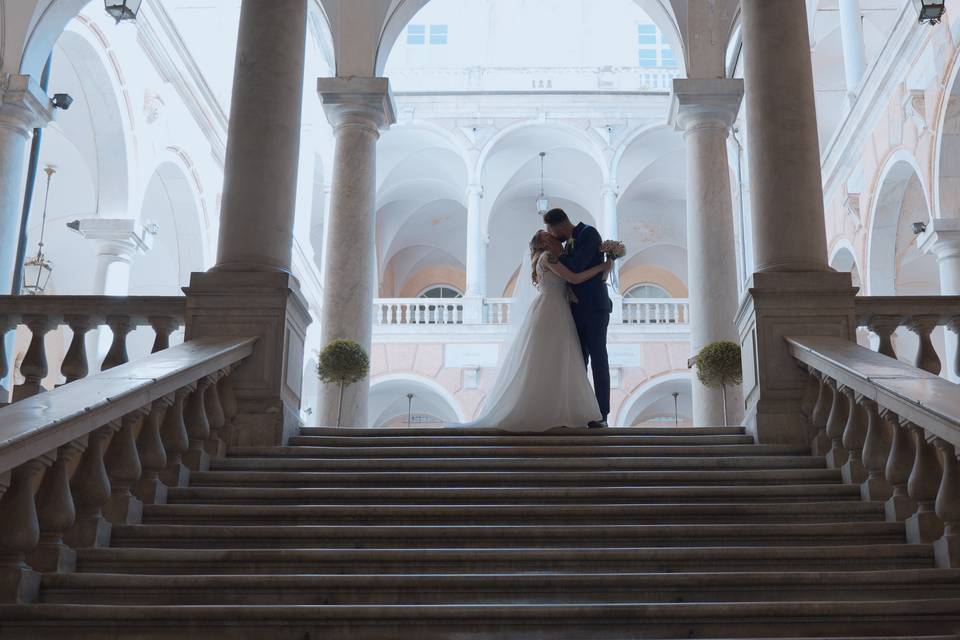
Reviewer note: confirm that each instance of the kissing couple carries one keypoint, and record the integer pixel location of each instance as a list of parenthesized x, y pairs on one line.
[(543, 380)]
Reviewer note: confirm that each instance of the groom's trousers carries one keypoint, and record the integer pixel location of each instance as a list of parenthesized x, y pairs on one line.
[(592, 329)]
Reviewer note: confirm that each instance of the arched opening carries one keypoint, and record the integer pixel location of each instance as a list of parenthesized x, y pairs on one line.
[(655, 405), (430, 406)]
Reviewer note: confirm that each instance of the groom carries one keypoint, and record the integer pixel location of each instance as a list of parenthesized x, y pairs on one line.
[(592, 310)]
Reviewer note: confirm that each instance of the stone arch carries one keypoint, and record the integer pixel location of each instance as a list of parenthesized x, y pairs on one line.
[(843, 258), (946, 150), (388, 399), (648, 398)]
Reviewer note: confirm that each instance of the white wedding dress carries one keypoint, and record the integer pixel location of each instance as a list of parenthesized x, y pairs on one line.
[(542, 382)]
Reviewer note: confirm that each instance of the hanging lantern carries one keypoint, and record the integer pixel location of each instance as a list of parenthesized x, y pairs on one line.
[(543, 205), (37, 270), (931, 11), (123, 10)]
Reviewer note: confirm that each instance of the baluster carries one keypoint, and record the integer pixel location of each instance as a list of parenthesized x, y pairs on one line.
[(90, 488), (924, 525), (163, 326), (198, 428), (34, 364), (821, 411), (875, 448), (20, 533), (926, 358), (884, 327), (75, 364), (810, 394), (228, 402), (836, 421), (153, 458), (953, 325), (56, 513), (214, 444), (899, 464), (854, 434), (117, 354), (946, 550), (123, 468), (176, 442)]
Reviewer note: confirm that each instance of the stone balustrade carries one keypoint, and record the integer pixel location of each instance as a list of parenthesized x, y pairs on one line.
[(883, 315), (86, 456), (417, 311), (81, 314), (892, 429), (656, 311)]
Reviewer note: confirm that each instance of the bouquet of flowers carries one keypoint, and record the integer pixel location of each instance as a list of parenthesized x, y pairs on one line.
[(613, 249)]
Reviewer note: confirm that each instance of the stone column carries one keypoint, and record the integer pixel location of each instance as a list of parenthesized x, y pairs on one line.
[(610, 230), (358, 108), (23, 107), (854, 50), (250, 291), (793, 292), (942, 239), (476, 265), (705, 111)]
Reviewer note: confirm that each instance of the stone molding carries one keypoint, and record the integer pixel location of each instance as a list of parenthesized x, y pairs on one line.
[(705, 102), (24, 106), (942, 238), (118, 236), (365, 103)]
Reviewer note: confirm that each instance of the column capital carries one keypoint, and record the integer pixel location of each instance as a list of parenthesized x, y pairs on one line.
[(705, 102), (475, 189), (941, 238), (358, 102), (24, 106), (118, 237), (610, 188)]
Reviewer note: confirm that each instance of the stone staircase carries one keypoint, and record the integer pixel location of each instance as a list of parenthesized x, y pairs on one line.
[(424, 534)]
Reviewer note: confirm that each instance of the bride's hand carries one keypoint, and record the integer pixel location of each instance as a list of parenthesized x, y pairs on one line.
[(607, 266)]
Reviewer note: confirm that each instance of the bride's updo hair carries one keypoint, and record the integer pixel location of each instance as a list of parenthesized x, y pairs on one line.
[(538, 244)]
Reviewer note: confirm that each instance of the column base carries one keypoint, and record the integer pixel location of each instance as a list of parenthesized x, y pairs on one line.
[(268, 305), (875, 490), (853, 472), (778, 305), (53, 557), (89, 532), (19, 584), (899, 508), (124, 508), (175, 475), (151, 491), (923, 527), (946, 551), (197, 460)]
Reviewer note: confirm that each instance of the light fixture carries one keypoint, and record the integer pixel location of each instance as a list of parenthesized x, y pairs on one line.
[(931, 11), (919, 227), (123, 10), (409, 408), (543, 205), (37, 270), (61, 101), (676, 409)]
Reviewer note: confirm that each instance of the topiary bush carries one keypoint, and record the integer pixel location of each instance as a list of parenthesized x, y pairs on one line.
[(342, 362), (719, 365)]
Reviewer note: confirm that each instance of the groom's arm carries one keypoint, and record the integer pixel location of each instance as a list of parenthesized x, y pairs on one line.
[(587, 247)]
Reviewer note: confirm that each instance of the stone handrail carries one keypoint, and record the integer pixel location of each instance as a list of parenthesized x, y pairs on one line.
[(883, 315), (417, 311), (42, 314), (75, 460), (656, 311), (892, 429)]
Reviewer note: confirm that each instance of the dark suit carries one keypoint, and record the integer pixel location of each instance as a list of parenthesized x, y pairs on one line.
[(592, 311)]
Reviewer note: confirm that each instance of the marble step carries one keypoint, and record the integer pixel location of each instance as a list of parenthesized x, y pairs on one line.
[(580, 559), (505, 441), (317, 590), (511, 495), (713, 512), (554, 464), (492, 537), (585, 450), (485, 479), (487, 621), (593, 434)]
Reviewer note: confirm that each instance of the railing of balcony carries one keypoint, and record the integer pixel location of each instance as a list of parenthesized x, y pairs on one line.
[(656, 311), (883, 315)]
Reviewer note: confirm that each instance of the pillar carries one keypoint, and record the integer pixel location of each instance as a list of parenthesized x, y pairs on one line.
[(476, 265), (854, 51), (23, 107), (793, 292), (705, 110), (250, 291), (942, 239), (358, 108), (610, 230)]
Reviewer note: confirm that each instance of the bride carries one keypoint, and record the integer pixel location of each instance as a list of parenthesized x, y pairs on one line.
[(542, 382)]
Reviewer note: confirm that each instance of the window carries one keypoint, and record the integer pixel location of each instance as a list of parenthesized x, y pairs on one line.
[(444, 293), (648, 58), (440, 313), (647, 290), (647, 34), (438, 34), (667, 57), (416, 34)]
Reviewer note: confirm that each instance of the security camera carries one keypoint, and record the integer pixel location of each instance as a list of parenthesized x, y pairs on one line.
[(62, 101), (919, 227)]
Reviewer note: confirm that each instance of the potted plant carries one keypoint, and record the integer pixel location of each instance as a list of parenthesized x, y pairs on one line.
[(719, 365), (342, 362)]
